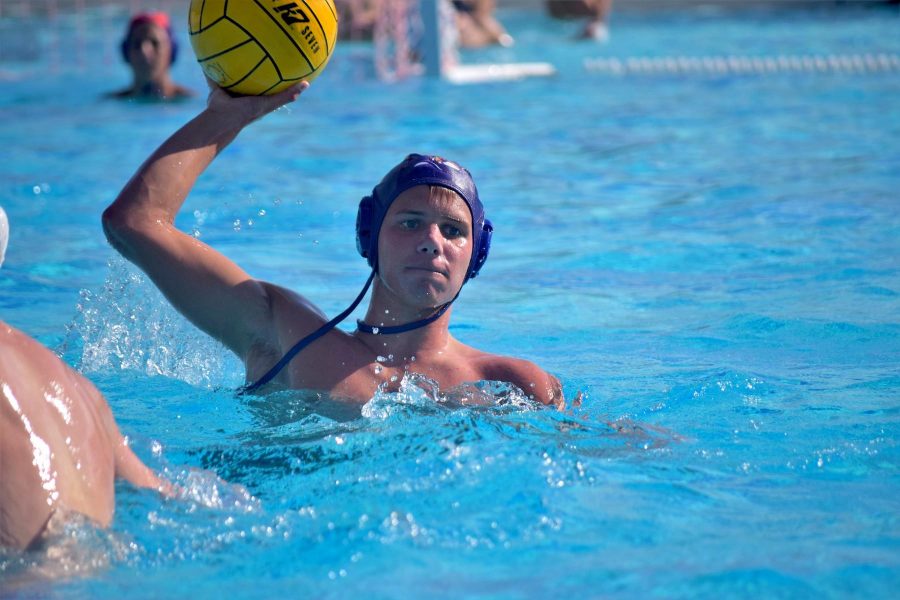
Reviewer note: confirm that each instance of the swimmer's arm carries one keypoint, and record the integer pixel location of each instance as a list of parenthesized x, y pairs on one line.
[(208, 288), (130, 468), (126, 464)]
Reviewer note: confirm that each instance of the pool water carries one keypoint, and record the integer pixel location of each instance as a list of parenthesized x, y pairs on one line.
[(711, 258)]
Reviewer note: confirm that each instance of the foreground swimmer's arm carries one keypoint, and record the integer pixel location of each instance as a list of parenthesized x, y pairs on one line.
[(204, 285), (129, 467)]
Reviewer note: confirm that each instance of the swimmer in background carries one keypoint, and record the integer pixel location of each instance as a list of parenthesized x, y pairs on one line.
[(60, 448), (475, 22), (357, 18), (477, 25), (149, 48), (596, 11), (422, 229)]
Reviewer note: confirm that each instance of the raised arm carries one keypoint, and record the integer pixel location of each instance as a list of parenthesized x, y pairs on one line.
[(208, 288)]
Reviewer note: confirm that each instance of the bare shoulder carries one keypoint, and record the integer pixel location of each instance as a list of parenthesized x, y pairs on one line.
[(286, 305), (288, 317), (524, 374), (20, 355), (29, 365), (27, 368)]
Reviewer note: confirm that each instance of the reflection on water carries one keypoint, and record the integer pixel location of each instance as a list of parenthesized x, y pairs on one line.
[(711, 255)]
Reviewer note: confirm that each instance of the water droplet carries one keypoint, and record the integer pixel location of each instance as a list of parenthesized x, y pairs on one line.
[(236, 225), (375, 330), (36, 190), (380, 358), (393, 378), (249, 222), (378, 369), (262, 212)]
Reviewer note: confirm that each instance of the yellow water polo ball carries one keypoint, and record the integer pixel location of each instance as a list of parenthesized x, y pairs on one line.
[(254, 47)]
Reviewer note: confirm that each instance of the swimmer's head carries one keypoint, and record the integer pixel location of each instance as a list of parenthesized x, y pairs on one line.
[(161, 20), (4, 234), (419, 169)]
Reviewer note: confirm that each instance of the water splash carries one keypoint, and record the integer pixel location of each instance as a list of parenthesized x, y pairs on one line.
[(72, 546), (417, 390), (128, 324), (414, 390), (206, 489)]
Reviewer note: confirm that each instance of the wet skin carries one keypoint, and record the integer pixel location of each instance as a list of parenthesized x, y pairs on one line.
[(425, 245), (60, 448)]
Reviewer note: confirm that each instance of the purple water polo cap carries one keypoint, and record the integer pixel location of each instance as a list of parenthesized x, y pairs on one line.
[(420, 169)]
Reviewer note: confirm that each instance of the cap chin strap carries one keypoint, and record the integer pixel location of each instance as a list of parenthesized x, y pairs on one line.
[(360, 325), (303, 343), (389, 329)]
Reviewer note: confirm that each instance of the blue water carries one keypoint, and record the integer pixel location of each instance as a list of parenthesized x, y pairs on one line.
[(711, 259)]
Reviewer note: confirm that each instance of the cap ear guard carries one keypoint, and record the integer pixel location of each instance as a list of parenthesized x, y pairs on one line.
[(484, 246), (364, 229)]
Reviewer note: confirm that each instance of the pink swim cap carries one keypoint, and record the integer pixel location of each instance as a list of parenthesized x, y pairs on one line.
[(158, 18)]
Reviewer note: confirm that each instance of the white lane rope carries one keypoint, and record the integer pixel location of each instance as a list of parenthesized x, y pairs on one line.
[(731, 64)]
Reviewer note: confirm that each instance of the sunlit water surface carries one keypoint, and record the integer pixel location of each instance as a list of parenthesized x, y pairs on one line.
[(711, 258)]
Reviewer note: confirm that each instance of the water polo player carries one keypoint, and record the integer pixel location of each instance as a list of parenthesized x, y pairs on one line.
[(150, 48), (60, 447), (422, 229)]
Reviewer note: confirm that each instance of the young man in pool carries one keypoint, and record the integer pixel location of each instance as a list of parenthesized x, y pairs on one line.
[(60, 448), (423, 231), (149, 48)]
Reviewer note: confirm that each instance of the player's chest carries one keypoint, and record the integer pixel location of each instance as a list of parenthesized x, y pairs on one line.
[(361, 377)]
